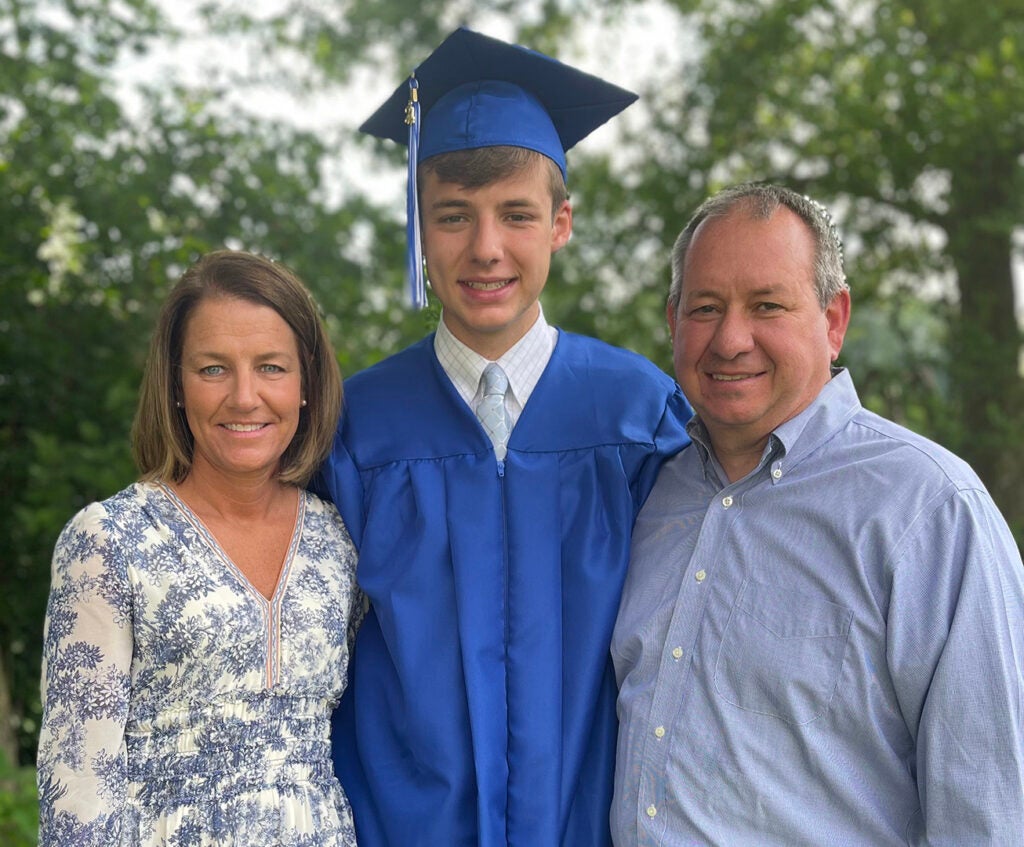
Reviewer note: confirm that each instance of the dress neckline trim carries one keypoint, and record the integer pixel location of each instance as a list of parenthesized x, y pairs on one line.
[(211, 541)]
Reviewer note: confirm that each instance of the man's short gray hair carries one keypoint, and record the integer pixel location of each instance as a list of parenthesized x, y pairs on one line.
[(762, 200)]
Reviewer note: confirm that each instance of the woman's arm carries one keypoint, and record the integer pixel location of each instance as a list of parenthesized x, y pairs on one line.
[(86, 685)]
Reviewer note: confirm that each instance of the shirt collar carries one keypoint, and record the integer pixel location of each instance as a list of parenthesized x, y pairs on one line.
[(523, 363), (835, 405)]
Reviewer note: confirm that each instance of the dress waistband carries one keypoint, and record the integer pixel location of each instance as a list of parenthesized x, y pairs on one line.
[(226, 736)]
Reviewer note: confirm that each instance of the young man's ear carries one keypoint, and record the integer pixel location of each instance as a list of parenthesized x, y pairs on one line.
[(561, 228)]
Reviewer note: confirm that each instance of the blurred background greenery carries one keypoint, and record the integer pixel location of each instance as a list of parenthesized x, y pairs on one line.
[(906, 117)]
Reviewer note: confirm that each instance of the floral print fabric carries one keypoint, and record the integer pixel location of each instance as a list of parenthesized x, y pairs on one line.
[(182, 708)]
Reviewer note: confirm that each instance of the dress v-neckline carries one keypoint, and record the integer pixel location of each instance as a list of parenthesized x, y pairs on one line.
[(211, 541)]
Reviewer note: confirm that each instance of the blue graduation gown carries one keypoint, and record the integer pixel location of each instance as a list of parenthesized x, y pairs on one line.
[(481, 707)]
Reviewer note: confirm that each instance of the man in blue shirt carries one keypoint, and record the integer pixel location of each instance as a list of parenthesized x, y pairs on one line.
[(821, 636), (482, 702)]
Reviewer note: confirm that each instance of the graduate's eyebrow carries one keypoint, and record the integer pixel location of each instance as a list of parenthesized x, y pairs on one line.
[(459, 203), (520, 203), (450, 203)]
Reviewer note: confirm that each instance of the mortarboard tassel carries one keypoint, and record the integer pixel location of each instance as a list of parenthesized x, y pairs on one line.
[(414, 248)]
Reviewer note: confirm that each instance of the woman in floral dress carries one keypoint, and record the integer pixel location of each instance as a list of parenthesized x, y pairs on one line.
[(199, 621)]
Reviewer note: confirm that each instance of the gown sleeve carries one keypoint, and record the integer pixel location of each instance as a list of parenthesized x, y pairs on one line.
[(86, 685), (669, 438), (338, 481)]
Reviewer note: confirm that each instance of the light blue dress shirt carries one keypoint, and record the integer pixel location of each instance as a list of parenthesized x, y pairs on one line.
[(829, 651)]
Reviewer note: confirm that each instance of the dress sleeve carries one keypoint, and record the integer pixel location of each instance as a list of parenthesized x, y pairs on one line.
[(87, 656), (956, 651), (360, 606)]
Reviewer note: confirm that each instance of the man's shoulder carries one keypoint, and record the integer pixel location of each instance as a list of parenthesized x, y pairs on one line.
[(915, 458)]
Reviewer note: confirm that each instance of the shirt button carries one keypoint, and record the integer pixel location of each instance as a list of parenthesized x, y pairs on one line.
[(659, 732), (651, 811), (677, 653), (727, 501), (777, 473), (699, 576)]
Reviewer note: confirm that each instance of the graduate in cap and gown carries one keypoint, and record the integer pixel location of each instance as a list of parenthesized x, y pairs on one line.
[(490, 476)]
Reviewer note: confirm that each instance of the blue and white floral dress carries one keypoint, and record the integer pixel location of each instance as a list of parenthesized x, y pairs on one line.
[(181, 707)]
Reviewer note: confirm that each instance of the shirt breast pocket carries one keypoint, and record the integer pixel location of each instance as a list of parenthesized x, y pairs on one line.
[(782, 652)]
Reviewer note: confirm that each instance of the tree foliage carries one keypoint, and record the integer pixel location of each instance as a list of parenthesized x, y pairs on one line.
[(906, 117), (101, 211)]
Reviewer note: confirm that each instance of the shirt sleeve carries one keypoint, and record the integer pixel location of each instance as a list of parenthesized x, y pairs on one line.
[(956, 653), (87, 656)]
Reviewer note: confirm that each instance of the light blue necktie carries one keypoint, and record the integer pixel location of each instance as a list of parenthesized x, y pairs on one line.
[(493, 416)]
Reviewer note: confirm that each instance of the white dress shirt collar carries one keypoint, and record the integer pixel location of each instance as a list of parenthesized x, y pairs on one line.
[(523, 363)]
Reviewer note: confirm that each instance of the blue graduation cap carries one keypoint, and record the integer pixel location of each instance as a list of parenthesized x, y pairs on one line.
[(476, 91)]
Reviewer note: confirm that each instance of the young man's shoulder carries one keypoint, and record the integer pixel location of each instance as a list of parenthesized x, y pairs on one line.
[(585, 356), (603, 359), (398, 372)]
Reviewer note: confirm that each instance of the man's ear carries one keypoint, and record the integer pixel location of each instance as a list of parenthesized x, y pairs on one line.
[(837, 319), (561, 228)]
